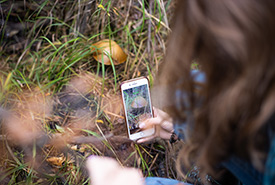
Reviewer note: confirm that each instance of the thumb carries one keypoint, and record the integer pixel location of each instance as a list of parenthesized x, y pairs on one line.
[(104, 170), (145, 139), (100, 168)]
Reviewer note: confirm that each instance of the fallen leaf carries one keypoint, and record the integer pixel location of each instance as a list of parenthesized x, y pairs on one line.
[(56, 161)]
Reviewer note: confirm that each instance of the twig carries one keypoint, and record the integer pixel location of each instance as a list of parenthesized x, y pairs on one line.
[(87, 139), (113, 114), (166, 161), (153, 162), (128, 11), (149, 28)]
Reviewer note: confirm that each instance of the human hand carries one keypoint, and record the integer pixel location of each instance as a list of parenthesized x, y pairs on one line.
[(163, 125), (104, 170)]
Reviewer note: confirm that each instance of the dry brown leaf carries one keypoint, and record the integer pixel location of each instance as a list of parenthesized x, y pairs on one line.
[(56, 161)]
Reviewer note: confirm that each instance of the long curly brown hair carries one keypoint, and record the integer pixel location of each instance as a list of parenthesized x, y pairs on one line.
[(234, 43)]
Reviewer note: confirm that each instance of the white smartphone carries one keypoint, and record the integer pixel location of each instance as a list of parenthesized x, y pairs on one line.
[(137, 106)]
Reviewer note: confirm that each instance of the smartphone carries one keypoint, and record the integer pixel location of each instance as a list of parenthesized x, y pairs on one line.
[(137, 106)]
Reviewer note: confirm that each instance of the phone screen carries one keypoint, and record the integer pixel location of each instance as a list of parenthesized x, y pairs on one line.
[(138, 106)]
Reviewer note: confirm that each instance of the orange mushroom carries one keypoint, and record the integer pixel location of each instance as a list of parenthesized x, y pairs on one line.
[(106, 49)]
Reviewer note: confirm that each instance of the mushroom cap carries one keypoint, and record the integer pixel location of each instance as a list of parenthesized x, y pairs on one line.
[(139, 102), (108, 48)]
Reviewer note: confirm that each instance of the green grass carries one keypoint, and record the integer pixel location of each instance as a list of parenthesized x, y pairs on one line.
[(60, 35)]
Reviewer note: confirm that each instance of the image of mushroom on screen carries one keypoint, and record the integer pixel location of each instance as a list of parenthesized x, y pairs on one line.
[(137, 102)]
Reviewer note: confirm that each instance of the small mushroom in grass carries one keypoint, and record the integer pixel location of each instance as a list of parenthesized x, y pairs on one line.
[(139, 108), (144, 117), (106, 49), (139, 102)]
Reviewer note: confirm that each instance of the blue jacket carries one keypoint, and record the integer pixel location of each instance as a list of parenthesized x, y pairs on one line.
[(269, 176)]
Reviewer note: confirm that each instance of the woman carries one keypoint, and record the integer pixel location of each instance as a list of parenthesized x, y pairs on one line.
[(229, 117)]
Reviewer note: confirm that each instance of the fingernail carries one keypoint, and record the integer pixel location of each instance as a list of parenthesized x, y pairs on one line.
[(141, 125)]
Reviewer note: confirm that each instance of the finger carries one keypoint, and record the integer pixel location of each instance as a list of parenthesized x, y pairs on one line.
[(158, 112), (157, 122), (154, 112), (129, 176), (149, 123), (105, 170), (167, 125), (165, 135), (146, 139), (100, 168), (162, 114)]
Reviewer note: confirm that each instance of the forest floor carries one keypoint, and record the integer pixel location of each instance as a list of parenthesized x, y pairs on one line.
[(59, 105)]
